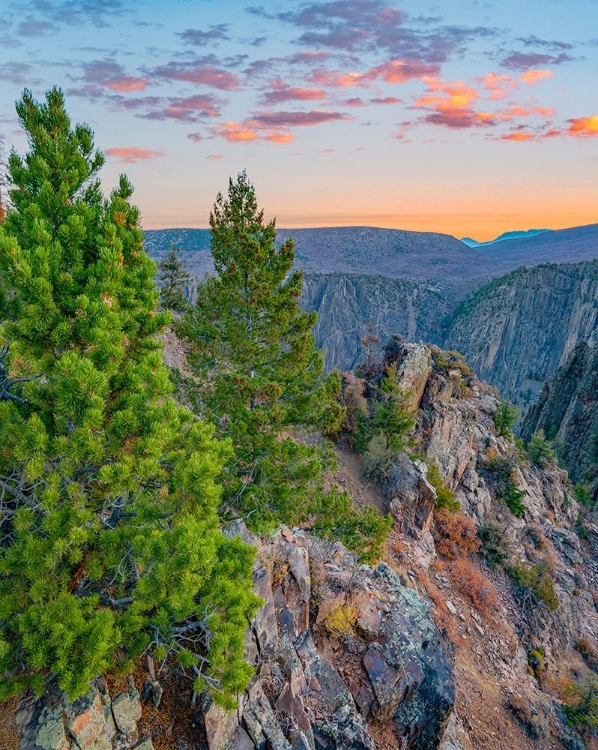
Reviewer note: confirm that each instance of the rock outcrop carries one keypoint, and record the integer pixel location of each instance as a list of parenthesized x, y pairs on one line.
[(567, 411), (338, 648), (353, 306), (516, 331), (94, 722)]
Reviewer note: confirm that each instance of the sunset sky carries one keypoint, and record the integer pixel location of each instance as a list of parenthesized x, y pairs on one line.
[(466, 117)]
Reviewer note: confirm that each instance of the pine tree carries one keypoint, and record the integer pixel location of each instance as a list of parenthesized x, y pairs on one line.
[(505, 417), (259, 375), (540, 450), (109, 534), (172, 279), (3, 181)]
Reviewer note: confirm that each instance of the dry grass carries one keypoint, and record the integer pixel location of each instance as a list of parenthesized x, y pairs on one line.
[(340, 623), (455, 534), (473, 585)]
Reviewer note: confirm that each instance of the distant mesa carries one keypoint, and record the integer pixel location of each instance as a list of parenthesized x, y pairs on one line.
[(505, 236)]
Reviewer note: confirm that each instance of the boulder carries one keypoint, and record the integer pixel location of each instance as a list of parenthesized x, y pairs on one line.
[(411, 496)]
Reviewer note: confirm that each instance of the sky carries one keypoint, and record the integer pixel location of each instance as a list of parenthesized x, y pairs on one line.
[(468, 117)]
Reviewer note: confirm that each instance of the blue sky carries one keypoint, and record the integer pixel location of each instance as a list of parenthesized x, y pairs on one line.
[(466, 117)]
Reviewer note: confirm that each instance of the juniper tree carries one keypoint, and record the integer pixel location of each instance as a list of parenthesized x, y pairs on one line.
[(172, 279), (109, 535), (259, 375)]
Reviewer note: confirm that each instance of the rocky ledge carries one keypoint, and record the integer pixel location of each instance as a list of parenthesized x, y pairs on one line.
[(340, 651)]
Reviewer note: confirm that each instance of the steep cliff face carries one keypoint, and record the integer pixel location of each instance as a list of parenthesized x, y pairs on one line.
[(494, 637), (353, 306), (567, 411), (516, 331)]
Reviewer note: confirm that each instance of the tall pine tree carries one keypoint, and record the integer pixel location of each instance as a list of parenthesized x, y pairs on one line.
[(173, 277), (109, 534), (259, 375)]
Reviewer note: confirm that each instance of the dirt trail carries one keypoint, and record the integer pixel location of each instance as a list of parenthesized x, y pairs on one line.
[(349, 477)]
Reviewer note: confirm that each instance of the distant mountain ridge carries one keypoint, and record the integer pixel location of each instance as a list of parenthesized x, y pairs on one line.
[(419, 256), (515, 329), (517, 235)]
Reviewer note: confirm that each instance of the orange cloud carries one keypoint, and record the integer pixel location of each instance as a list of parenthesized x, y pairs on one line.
[(279, 137), (446, 95), (518, 137), (451, 103), (248, 131), (393, 71), (214, 157), (127, 84), (533, 76), (583, 127), (131, 155), (235, 132)]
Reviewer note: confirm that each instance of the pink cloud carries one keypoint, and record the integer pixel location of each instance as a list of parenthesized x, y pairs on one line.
[(273, 127), (500, 85), (131, 154), (355, 101), (393, 71), (293, 118), (533, 76), (282, 92), (214, 157), (207, 75), (401, 71), (183, 109), (127, 84), (386, 100)]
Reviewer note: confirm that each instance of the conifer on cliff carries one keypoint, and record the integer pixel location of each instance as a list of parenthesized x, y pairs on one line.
[(260, 379), (109, 534)]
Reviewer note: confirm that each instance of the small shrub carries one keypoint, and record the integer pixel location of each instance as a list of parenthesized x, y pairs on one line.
[(445, 498), (503, 471), (451, 360), (505, 417), (582, 703), (536, 579), (521, 708), (536, 659), (535, 532), (378, 456), (340, 623), (494, 546), (535, 725), (473, 585), (455, 534), (583, 495), (588, 652), (382, 432), (363, 531), (540, 450), (354, 401)]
